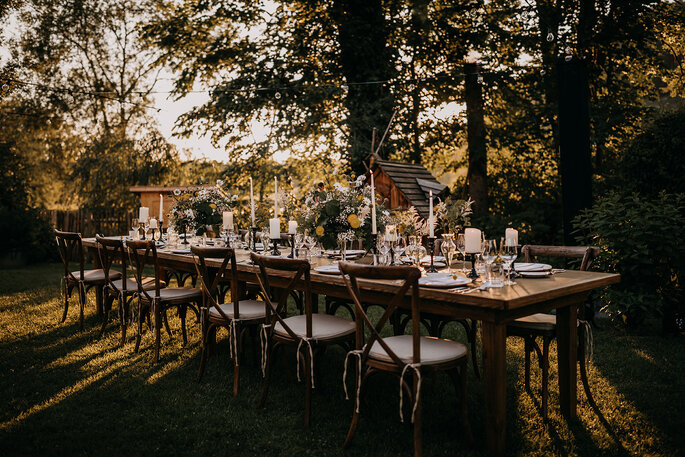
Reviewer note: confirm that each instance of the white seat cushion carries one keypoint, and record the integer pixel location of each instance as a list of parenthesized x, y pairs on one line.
[(433, 350), (132, 284), (539, 321), (180, 293), (324, 326), (249, 309), (96, 275)]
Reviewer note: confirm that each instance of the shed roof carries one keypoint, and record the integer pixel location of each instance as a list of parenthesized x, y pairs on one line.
[(414, 181)]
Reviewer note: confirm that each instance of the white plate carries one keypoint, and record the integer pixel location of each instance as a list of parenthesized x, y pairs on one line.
[(442, 280), (350, 252), (329, 269), (528, 267), (181, 251), (535, 274)]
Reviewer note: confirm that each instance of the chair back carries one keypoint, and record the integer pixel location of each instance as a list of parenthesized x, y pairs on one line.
[(108, 251), (142, 253), (68, 245), (297, 274), (586, 253), (409, 276), (211, 277)]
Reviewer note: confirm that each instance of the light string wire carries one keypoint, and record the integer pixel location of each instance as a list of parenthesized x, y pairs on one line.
[(276, 89)]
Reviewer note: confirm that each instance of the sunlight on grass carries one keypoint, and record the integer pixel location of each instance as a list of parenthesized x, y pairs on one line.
[(73, 392)]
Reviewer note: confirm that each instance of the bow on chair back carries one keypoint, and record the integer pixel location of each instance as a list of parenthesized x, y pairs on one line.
[(140, 252), (409, 277), (211, 277), (68, 244), (108, 251), (295, 271)]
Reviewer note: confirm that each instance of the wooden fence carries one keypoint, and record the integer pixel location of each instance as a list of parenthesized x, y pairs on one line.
[(89, 223)]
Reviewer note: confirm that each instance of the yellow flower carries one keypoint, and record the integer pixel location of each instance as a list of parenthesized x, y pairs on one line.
[(212, 205), (354, 221), (319, 230), (360, 198)]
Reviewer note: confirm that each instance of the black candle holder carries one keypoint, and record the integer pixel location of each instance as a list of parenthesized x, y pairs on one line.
[(392, 255), (254, 239), (152, 236), (161, 224), (183, 235), (275, 251), (292, 246), (473, 274), (431, 246)]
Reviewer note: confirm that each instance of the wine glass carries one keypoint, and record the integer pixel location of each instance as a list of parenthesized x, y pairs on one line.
[(146, 228), (448, 248), (509, 252), (489, 256), (299, 242), (383, 248), (265, 238), (135, 225), (461, 247)]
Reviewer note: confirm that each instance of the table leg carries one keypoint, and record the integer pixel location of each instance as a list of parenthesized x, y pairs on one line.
[(567, 349), (495, 383)]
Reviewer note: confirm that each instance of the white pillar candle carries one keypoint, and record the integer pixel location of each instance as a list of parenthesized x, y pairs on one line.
[(472, 240), (512, 237), (292, 227), (275, 228), (161, 207), (153, 223), (431, 223), (252, 203), (275, 197), (228, 220), (374, 229), (143, 214)]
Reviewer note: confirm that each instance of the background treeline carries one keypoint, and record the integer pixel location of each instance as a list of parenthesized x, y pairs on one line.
[(321, 75)]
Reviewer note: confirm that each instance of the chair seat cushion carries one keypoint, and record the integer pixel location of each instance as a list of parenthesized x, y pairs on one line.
[(132, 284), (433, 350), (249, 309), (539, 321), (96, 276), (179, 294), (324, 326)]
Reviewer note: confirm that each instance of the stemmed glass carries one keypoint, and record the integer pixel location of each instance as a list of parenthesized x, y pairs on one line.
[(461, 247), (146, 228), (448, 249), (135, 225), (489, 256), (299, 243), (383, 248), (509, 252), (265, 239)]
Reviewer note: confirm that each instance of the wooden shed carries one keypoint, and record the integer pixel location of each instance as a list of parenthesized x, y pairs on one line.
[(405, 184), (149, 197)]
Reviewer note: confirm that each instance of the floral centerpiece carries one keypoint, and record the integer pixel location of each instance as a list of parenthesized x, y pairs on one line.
[(409, 222), (345, 210), (200, 209), (453, 214)]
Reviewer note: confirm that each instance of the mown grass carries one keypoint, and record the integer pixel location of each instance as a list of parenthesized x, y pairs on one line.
[(71, 393)]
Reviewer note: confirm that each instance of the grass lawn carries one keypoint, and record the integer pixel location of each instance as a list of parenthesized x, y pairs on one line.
[(71, 393)]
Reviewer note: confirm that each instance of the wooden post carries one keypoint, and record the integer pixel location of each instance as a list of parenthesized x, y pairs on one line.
[(477, 175), (574, 141), (495, 383)]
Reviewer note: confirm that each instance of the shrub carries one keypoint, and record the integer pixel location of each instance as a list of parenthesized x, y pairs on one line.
[(642, 239)]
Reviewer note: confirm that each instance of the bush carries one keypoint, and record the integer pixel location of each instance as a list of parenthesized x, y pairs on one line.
[(642, 239)]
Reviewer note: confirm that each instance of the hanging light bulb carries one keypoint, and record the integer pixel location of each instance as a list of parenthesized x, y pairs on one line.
[(277, 95), (568, 50), (550, 36), (568, 58), (480, 78)]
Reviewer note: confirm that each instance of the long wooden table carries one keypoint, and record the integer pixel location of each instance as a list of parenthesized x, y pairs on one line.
[(564, 292)]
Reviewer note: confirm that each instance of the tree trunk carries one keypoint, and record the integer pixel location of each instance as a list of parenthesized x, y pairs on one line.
[(477, 176), (364, 56)]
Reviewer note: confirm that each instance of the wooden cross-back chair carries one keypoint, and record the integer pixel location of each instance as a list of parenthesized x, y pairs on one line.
[(545, 325), (236, 316), (308, 332), (118, 286), (400, 353), (69, 246), (158, 300)]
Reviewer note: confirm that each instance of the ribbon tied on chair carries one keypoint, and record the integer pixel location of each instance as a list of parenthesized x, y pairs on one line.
[(358, 354), (306, 341), (417, 369)]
